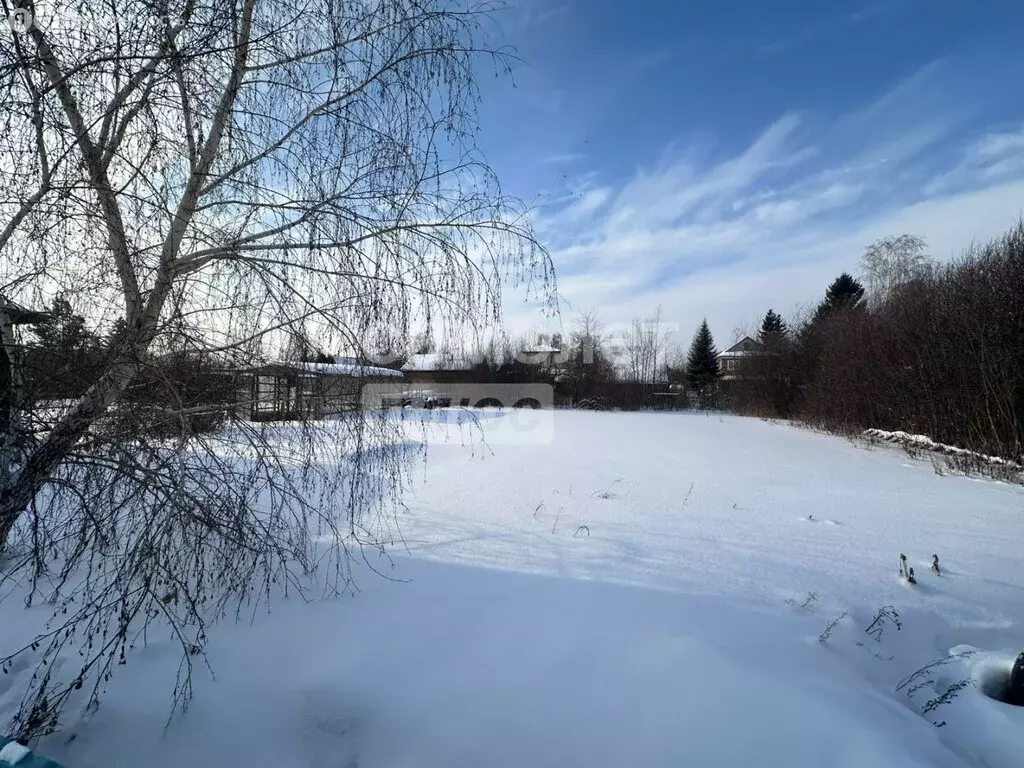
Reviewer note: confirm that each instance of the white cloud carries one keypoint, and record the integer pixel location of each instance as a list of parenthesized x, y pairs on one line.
[(994, 156), (773, 224), (997, 145), (564, 159), (667, 195), (590, 202)]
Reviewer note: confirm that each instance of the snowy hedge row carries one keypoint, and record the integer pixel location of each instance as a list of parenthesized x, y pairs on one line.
[(926, 443)]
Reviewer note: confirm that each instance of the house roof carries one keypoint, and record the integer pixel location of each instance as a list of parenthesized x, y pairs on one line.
[(328, 369), (743, 347), (433, 361), (21, 316)]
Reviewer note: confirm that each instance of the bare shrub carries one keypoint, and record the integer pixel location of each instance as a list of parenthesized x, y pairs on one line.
[(937, 352), (926, 678), (886, 616), (826, 633), (808, 602)]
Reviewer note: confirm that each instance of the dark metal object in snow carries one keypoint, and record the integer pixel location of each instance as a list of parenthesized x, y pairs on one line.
[(1015, 689), (24, 759)]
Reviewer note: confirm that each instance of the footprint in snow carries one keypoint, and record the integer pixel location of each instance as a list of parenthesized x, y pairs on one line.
[(21, 663), (330, 731)]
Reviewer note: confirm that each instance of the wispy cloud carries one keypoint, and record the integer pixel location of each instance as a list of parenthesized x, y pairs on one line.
[(812, 31), (527, 16), (679, 190), (563, 159), (769, 225), (996, 156)]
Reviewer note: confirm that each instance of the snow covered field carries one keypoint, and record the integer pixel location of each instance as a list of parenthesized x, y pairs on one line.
[(614, 589)]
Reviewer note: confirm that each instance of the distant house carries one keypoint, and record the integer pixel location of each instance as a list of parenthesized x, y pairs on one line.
[(437, 368), (285, 391), (12, 314), (19, 315), (440, 379), (735, 361), (546, 357)]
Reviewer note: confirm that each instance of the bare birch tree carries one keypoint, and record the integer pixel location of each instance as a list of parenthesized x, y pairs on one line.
[(207, 176), (893, 261), (646, 346)]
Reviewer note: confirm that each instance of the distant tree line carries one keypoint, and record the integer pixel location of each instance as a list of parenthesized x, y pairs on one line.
[(935, 349), (910, 345), (638, 369), (176, 391)]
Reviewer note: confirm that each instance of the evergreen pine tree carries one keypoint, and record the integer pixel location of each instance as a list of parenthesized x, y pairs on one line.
[(118, 334), (702, 361), (845, 292), (65, 333), (773, 329)]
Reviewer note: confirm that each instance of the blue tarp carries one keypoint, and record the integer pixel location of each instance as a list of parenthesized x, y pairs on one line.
[(31, 760)]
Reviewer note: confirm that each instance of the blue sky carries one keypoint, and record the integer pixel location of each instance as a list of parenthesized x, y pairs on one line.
[(718, 158)]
